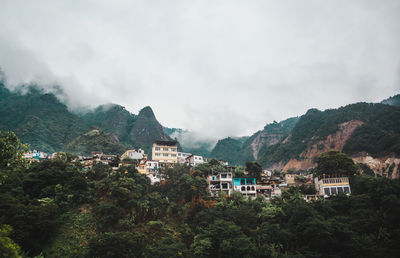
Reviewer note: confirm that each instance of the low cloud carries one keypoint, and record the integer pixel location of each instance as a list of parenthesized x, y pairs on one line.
[(222, 68)]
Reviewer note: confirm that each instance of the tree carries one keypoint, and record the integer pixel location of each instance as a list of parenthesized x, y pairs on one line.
[(335, 162), (8, 248), (11, 150), (254, 169)]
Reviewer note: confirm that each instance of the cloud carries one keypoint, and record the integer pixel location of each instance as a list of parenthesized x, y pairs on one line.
[(216, 67)]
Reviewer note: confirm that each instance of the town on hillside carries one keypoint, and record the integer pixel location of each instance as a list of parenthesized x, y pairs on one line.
[(266, 184)]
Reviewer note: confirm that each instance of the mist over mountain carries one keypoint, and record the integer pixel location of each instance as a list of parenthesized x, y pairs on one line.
[(43, 121)]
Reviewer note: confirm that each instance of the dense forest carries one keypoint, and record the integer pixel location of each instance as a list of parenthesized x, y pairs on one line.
[(56, 209)]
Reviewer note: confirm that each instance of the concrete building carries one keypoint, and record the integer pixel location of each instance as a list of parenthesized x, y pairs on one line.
[(247, 186), (194, 160), (220, 184), (165, 151), (182, 157), (133, 154), (35, 156), (328, 185)]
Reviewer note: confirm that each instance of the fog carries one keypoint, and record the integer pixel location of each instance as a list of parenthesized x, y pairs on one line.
[(217, 68)]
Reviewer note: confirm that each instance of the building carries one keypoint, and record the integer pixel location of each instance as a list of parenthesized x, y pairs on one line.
[(220, 184), (133, 154), (35, 156), (165, 151), (194, 160), (182, 157), (151, 166), (247, 186), (290, 179), (328, 185)]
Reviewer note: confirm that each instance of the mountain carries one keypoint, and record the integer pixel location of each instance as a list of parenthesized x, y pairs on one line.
[(38, 118), (361, 130), (95, 140), (393, 101), (146, 129), (239, 150), (113, 119)]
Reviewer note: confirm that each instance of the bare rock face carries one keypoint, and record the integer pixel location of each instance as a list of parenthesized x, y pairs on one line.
[(387, 166), (334, 141), (263, 138)]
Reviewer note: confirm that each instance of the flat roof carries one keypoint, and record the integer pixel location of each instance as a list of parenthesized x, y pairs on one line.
[(167, 143)]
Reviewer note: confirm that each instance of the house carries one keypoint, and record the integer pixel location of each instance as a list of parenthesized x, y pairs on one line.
[(194, 160), (328, 185), (133, 154), (220, 184), (182, 157), (165, 152), (247, 186), (290, 179), (35, 156), (151, 166)]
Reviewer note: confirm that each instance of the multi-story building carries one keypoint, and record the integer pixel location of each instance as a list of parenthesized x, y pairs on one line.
[(151, 166), (194, 160), (165, 151), (220, 184), (247, 186), (134, 154), (35, 156), (328, 185)]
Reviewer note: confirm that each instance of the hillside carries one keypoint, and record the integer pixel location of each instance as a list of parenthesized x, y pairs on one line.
[(361, 129), (38, 118), (238, 151), (113, 119), (41, 120), (393, 101), (95, 140)]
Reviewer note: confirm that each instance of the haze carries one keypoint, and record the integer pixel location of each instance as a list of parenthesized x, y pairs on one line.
[(222, 68)]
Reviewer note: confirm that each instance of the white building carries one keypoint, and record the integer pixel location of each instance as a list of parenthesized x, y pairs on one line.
[(328, 185), (194, 160), (221, 184), (182, 157), (133, 154)]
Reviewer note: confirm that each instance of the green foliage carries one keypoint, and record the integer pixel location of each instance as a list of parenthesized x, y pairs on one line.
[(39, 119), (237, 151), (120, 214), (11, 151), (8, 248), (336, 163), (393, 101), (95, 140), (379, 135), (254, 169)]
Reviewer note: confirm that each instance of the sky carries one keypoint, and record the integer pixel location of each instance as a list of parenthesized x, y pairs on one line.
[(218, 68)]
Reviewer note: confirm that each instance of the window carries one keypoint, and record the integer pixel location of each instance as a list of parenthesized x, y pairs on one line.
[(340, 189), (165, 149), (334, 191), (173, 155), (157, 154), (179, 154), (242, 182), (225, 186), (327, 191), (165, 154), (243, 188), (157, 148), (173, 149), (223, 175), (252, 188), (346, 189), (248, 188)]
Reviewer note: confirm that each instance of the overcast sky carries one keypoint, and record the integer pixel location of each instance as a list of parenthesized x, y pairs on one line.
[(221, 67)]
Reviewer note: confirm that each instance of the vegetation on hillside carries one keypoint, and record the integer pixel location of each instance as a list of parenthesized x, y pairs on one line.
[(393, 101), (379, 135), (56, 209), (38, 118), (95, 140)]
